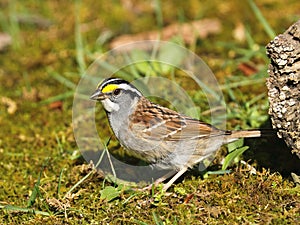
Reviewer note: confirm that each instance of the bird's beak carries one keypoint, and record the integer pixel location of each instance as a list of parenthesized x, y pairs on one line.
[(98, 95)]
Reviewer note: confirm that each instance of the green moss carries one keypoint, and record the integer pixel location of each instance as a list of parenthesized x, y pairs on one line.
[(37, 139)]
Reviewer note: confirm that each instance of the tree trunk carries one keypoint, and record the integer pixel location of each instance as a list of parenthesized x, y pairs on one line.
[(284, 86)]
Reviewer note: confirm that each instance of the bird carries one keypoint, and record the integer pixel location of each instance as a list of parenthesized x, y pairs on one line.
[(158, 135)]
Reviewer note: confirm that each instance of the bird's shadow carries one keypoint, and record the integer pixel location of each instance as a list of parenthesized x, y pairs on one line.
[(272, 153)]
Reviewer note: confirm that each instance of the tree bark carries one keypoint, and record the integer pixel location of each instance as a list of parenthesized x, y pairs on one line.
[(284, 86)]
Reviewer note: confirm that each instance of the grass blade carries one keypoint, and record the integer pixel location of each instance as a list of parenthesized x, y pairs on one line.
[(232, 155), (86, 176), (63, 80), (262, 19), (78, 40), (62, 96), (26, 210), (36, 191)]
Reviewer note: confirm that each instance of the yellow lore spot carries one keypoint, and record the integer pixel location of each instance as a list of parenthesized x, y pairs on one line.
[(109, 88)]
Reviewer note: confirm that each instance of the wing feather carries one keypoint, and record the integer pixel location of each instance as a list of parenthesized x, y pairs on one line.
[(155, 122)]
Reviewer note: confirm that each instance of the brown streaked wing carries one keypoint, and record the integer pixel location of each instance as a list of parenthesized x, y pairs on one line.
[(155, 122)]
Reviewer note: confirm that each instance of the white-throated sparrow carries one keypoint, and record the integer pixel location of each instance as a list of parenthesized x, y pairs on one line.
[(157, 134)]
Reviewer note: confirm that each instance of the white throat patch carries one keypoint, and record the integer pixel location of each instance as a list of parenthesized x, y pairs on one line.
[(110, 106)]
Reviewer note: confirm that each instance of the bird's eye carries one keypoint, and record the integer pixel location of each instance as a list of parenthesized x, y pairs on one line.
[(117, 92)]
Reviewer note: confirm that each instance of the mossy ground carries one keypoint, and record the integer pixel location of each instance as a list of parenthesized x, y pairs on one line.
[(37, 139)]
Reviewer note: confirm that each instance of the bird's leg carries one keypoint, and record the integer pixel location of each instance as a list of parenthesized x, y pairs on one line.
[(166, 176), (176, 176), (159, 180)]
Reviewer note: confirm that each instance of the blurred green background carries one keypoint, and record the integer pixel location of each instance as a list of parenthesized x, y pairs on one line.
[(45, 47)]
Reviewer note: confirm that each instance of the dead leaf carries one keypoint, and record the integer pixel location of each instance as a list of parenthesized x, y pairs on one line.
[(56, 105), (58, 204), (5, 41), (31, 94), (239, 33), (214, 211), (188, 198), (247, 69), (188, 31), (35, 20), (11, 105)]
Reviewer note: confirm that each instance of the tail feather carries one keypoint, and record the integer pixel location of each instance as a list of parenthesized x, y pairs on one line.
[(235, 134)]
